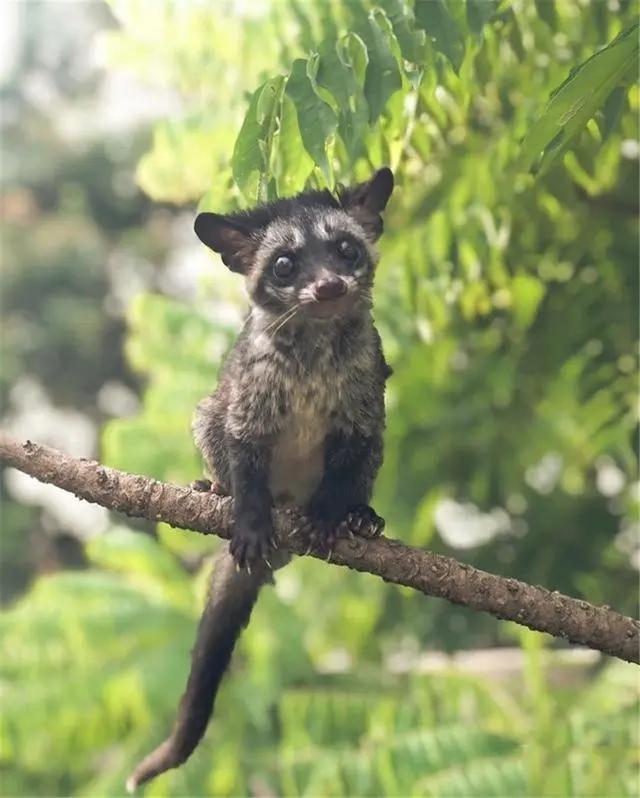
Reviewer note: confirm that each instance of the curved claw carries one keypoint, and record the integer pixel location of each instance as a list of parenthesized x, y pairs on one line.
[(364, 522), (250, 546), (343, 530)]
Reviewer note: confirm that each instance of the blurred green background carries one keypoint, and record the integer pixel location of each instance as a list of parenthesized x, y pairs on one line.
[(507, 298)]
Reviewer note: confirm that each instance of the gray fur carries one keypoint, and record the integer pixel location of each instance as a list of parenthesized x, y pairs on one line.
[(298, 414), (292, 388)]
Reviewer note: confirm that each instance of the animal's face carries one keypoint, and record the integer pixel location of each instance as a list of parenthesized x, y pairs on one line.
[(313, 254), (320, 262)]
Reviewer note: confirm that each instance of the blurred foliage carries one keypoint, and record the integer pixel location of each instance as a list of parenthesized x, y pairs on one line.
[(75, 232), (506, 298), (88, 691), (66, 206)]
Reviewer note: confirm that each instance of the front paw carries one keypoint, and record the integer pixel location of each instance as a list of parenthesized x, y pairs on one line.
[(363, 521), (318, 532), (321, 528), (250, 545)]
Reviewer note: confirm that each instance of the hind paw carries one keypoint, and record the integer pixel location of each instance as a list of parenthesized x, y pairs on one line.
[(207, 486)]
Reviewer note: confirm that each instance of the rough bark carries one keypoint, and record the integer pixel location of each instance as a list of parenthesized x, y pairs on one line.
[(577, 621)]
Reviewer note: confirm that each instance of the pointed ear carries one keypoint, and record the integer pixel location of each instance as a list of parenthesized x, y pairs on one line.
[(366, 201), (228, 237)]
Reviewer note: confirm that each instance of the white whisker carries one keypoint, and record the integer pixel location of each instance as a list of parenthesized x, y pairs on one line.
[(292, 312), (275, 321)]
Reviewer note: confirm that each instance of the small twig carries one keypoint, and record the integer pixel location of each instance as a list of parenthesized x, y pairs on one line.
[(600, 628)]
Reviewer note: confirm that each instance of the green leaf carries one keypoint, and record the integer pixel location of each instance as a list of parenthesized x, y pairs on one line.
[(316, 119), (515, 34), (612, 110), (337, 73), (479, 12), (402, 21), (547, 12), (294, 165), (434, 17), (527, 292), (252, 152), (355, 53), (577, 99), (247, 157), (383, 74)]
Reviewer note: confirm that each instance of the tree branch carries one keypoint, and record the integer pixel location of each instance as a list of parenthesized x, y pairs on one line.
[(577, 621)]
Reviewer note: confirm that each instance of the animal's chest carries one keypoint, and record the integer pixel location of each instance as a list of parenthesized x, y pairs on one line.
[(297, 459)]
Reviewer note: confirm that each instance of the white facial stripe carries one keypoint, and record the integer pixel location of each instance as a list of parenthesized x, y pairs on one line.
[(282, 292), (306, 294), (281, 234), (331, 223)]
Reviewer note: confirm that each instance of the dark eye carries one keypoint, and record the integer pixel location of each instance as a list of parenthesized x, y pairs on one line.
[(284, 267), (347, 249)]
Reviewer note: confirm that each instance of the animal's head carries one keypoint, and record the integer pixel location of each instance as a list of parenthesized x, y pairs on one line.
[(314, 252)]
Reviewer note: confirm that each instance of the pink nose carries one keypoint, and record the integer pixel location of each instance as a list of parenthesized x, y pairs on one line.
[(329, 288)]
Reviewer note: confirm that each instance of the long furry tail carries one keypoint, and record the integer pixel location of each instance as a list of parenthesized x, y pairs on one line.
[(231, 599)]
